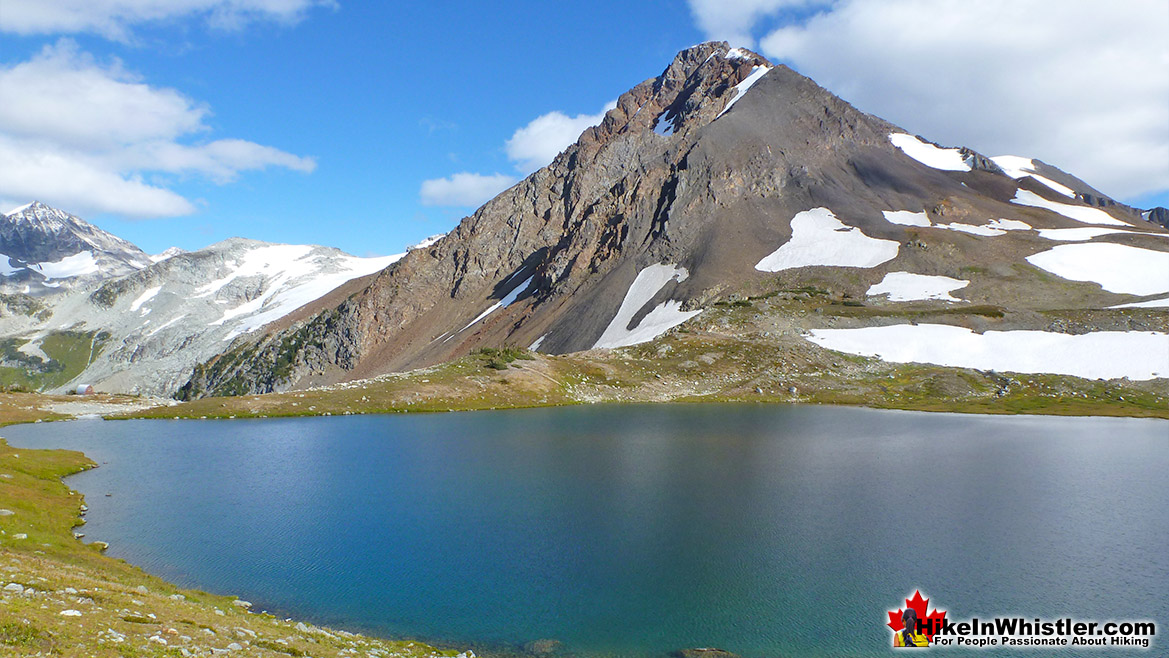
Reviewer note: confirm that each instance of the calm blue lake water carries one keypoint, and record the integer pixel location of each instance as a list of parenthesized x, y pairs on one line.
[(767, 531)]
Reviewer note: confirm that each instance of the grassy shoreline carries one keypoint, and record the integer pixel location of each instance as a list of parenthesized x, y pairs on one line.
[(65, 597), (62, 597), (692, 367)]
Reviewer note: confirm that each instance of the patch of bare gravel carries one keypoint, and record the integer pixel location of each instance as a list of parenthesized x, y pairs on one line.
[(79, 407)]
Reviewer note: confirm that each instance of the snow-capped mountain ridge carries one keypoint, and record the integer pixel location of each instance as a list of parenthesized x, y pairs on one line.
[(43, 248), (152, 318)]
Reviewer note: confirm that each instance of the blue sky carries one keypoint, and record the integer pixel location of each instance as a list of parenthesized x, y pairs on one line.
[(184, 122)]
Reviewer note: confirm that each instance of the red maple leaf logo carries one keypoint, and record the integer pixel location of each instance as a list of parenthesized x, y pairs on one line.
[(919, 606)]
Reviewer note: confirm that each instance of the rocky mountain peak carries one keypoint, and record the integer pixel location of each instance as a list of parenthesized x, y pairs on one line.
[(37, 241), (39, 214), (696, 86), (673, 204)]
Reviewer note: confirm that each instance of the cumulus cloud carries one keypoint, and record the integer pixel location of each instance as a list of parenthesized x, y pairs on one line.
[(536, 144), (531, 147), (733, 21), (78, 184), (87, 135), (1076, 83), (464, 189), (115, 18)]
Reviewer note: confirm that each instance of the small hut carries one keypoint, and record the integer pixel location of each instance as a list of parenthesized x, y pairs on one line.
[(84, 389)]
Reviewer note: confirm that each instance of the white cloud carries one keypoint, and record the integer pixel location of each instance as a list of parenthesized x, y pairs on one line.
[(536, 144), (115, 18), (220, 160), (464, 189), (65, 93), (84, 135), (530, 148), (79, 185), (733, 20), (1079, 84)]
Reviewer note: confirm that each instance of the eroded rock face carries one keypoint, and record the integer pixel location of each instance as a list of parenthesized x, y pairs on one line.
[(1158, 216), (600, 206), (701, 168)]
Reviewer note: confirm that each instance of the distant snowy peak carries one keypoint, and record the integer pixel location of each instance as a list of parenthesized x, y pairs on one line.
[(184, 308), (41, 247), (257, 282), (173, 251)]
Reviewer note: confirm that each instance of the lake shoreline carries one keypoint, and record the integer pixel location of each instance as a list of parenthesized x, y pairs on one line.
[(688, 368), (749, 454), (107, 574), (61, 592)]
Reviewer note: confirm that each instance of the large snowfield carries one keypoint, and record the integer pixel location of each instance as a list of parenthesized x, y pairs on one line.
[(818, 238), (1138, 355), (928, 154), (1117, 268), (662, 318), (298, 280), (908, 287), (1083, 214), (1017, 167), (78, 264)]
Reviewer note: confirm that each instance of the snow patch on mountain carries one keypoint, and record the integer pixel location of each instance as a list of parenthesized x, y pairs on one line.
[(1148, 303), (907, 218), (144, 297), (508, 299), (1138, 355), (426, 242), (173, 251), (277, 258), (1009, 225), (819, 239), (6, 267), (991, 228), (757, 74), (665, 316), (296, 279), (166, 324), (928, 154), (1117, 268), (1018, 167), (1078, 234), (78, 264), (1084, 214), (908, 287), (972, 229), (662, 126)]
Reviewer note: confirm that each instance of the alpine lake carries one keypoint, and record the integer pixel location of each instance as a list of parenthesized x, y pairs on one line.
[(612, 530)]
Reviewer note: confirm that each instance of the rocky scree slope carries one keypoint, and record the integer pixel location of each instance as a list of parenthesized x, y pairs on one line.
[(723, 177)]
